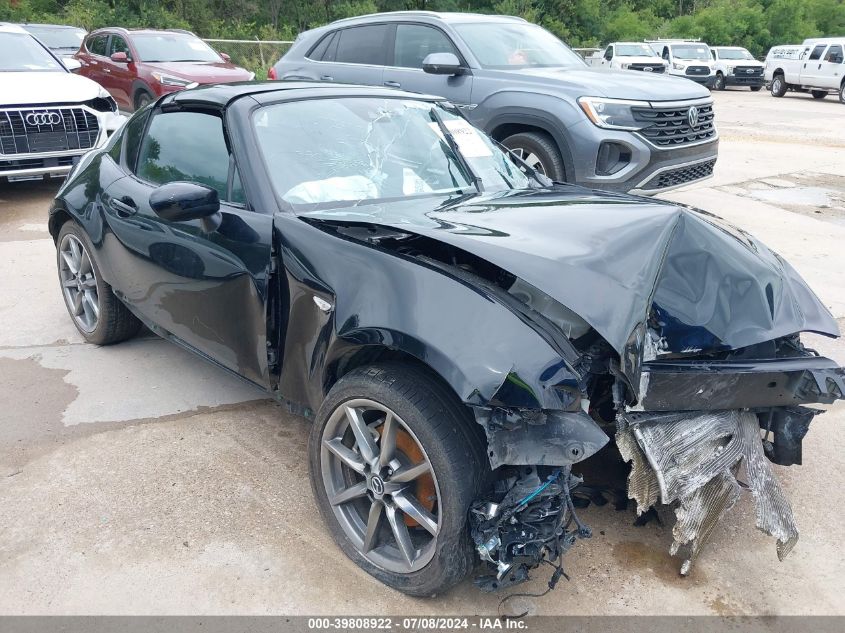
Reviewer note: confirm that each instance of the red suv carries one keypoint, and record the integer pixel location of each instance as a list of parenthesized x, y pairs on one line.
[(137, 66)]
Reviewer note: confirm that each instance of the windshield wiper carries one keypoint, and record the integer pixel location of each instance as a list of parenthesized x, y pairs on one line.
[(453, 145)]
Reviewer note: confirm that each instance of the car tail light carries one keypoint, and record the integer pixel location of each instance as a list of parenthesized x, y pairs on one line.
[(271, 74)]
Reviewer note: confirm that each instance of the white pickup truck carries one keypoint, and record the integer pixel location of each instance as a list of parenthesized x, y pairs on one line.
[(628, 56), (735, 66), (817, 66)]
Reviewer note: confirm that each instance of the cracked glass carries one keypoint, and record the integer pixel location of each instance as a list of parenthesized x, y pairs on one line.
[(327, 153)]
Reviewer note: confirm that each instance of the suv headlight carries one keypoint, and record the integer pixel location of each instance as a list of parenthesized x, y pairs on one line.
[(613, 114), (170, 80)]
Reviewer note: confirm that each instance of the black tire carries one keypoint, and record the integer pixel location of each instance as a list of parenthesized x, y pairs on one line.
[(756, 88), (541, 145), (719, 83), (142, 99), (778, 87), (842, 93), (818, 94), (451, 441), (114, 323)]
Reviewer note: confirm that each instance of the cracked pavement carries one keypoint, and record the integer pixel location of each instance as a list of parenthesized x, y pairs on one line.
[(138, 479)]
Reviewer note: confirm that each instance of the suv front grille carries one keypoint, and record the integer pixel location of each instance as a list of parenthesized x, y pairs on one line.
[(41, 130), (680, 176), (698, 71), (655, 68), (670, 127)]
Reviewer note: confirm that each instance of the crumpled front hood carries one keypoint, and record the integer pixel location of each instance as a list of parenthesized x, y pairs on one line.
[(618, 260), (35, 88)]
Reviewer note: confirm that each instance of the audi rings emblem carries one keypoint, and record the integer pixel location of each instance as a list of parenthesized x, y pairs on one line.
[(692, 116), (43, 118)]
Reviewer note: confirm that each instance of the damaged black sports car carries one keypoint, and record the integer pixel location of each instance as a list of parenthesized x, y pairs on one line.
[(463, 332)]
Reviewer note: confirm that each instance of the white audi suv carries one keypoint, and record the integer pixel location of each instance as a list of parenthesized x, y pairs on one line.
[(49, 117)]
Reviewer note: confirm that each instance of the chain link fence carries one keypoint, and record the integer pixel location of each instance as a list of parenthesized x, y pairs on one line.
[(254, 55)]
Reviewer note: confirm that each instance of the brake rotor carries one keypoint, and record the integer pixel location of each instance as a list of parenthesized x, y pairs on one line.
[(424, 489)]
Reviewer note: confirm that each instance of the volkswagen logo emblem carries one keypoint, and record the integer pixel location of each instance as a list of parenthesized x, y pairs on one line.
[(43, 118), (692, 116), (377, 486)]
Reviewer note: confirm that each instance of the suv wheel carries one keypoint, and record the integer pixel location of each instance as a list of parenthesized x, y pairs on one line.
[(719, 84), (539, 151), (818, 94), (142, 99), (778, 88), (395, 465), (842, 93)]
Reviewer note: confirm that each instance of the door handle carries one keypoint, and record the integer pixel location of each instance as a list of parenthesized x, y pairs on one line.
[(392, 84), (326, 78), (124, 207)]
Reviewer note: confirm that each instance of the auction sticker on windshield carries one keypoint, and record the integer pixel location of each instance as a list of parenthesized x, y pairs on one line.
[(467, 137)]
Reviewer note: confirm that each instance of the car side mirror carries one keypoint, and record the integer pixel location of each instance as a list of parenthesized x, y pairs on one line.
[(181, 201), (120, 58), (71, 64), (443, 64), (226, 58)]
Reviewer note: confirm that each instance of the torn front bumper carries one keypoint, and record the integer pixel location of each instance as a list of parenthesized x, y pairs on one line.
[(696, 462), (696, 385)]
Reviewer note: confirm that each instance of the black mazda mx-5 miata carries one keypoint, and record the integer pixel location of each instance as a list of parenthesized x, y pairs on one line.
[(463, 332)]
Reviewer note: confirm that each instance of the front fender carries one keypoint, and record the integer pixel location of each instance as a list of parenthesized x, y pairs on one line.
[(480, 348)]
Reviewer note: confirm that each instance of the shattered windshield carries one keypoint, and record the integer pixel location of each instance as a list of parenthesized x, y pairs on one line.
[(328, 153)]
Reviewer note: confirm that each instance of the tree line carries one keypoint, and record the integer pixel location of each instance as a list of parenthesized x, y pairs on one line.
[(755, 24)]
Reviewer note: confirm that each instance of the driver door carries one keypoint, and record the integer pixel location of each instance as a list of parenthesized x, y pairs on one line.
[(203, 285), (411, 45)]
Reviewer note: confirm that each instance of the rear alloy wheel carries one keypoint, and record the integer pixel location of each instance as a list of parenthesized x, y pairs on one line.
[(394, 471), (719, 84), (778, 88), (818, 94), (539, 152), (98, 315)]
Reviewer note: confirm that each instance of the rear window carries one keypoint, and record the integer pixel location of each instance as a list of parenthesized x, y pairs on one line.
[(318, 53), (363, 45)]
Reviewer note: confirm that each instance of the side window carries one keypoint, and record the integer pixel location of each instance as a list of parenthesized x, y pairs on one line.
[(817, 52), (97, 45), (318, 53), (118, 45), (188, 146), (132, 138), (414, 42), (363, 45), (834, 54)]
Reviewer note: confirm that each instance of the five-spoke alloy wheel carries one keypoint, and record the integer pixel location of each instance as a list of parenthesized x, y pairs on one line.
[(396, 460), (381, 486), (79, 283), (97, 314)]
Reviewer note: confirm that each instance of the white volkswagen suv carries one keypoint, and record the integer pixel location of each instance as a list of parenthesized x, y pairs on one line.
[(49, 117)]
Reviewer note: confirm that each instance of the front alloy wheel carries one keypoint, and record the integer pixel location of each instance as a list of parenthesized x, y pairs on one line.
[(381, 486), (396, 461)]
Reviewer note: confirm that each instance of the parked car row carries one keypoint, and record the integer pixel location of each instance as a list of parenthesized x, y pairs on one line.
[(713, 66)]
